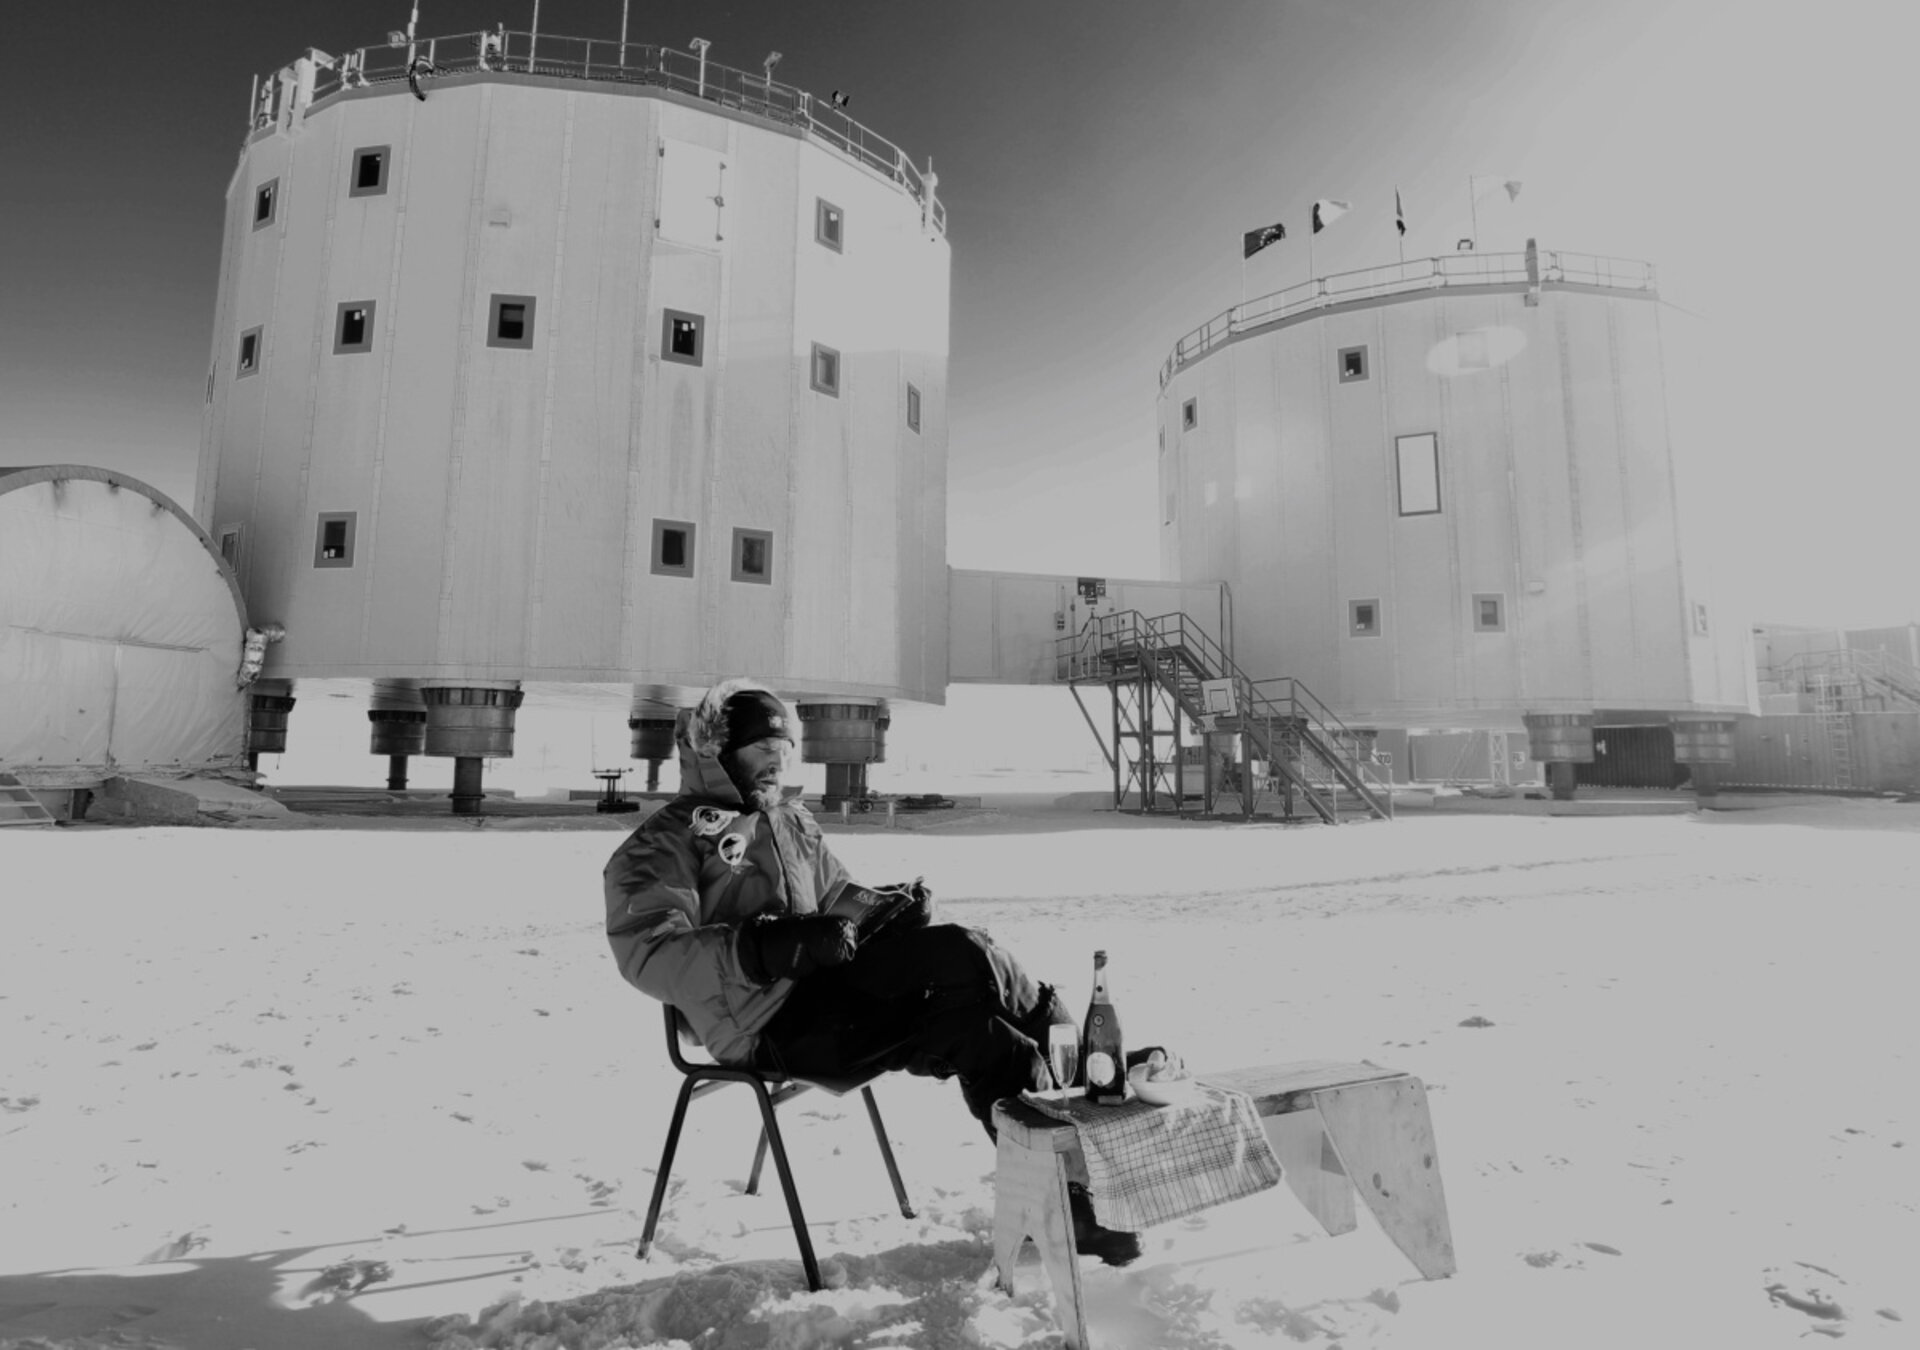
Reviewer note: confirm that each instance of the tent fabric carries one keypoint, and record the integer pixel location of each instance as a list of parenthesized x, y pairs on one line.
[(120, 632)]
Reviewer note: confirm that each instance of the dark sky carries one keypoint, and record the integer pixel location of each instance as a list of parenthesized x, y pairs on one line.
[(1099, 159)]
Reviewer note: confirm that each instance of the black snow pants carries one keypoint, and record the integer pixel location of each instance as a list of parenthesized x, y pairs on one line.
[(941, 1001)]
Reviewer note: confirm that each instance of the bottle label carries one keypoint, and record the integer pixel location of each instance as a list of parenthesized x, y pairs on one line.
[(1100, 1068)]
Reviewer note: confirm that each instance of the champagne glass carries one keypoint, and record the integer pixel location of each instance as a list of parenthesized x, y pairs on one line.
[(1063, 1054)]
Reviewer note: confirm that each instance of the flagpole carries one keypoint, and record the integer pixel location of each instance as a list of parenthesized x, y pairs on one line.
[(1473, 213)]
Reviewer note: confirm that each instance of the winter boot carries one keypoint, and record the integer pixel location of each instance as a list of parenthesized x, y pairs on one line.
[(1111, 1245)]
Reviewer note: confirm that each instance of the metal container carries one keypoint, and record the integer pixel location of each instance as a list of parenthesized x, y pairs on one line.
[(1703, 740), (843, 733), (471, 719), (1560, 738), (267, 716)]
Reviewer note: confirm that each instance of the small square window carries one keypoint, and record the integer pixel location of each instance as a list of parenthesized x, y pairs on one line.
[(265, 199), (1489, 613), (1700, 618), (753, 556), (673, 548), (333, 540), (370, 171), (1190, 414), (826, 370), (913, 408), (510, 321), (249, 353), (683, 337), (1353, 364), (827, 223), (353, 327), (1363, 618)]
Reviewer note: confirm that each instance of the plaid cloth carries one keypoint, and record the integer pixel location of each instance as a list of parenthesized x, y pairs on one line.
[(1151, 1164)]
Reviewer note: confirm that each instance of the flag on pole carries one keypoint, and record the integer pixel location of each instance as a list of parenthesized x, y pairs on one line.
[(1485, 183), (1255, 240), (1399, 215), (1326, 211)]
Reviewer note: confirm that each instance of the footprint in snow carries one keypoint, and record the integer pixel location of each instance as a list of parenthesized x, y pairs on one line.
[(1807, 1288)]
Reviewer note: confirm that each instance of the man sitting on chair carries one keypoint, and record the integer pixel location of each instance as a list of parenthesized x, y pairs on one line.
[(727, 904)]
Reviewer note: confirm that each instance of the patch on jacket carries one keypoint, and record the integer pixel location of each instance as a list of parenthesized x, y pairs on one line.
[(731, 848), (710, 820)]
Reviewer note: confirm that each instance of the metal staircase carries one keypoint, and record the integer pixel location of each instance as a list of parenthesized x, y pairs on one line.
[(1164, 671)]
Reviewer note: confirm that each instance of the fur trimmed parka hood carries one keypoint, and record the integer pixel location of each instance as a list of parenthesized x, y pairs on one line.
[(700, 733)]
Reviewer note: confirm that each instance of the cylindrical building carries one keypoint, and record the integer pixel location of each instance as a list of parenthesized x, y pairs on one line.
[(1443, 495), (553, 360)]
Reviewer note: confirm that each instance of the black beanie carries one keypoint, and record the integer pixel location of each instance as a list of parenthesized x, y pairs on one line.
[(753, 715)]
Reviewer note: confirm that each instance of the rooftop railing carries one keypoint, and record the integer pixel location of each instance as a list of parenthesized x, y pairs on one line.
[(601, 60), (1419, 274)]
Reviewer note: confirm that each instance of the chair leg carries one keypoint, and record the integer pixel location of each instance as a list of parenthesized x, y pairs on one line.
[(666, 1166), (886, 1152), (771, 1128), (759, 1161)]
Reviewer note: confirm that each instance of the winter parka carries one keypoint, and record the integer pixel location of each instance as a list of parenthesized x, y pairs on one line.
[(683, 883)]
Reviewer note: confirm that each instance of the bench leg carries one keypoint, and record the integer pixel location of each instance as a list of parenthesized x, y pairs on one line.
[(1313, 1169), (1383, 1136), (1030, 1201)]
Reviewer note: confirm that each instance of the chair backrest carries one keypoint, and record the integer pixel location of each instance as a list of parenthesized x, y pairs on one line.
[(676, 1029)]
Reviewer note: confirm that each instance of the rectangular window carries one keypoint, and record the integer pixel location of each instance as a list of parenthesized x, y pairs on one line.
[(1353, 364), (1417, 459), (753, 556), (673, 548), (264, 198), (230, 546), (913, 409), (827, 223), (353, 327), (249, 353), (370, 170), (1489, 613), (1699, 618), (1363, 618), (826, 370), (333, 540), (510, 321), (682, 337), (1190, 414)]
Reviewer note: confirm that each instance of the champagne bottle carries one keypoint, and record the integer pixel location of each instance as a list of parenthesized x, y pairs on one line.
[(1102, 1054)]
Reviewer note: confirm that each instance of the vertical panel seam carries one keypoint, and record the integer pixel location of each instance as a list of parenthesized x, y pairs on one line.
[(463, 364), (536, 592), (1576, 535), (1621, 450), (365, 545)]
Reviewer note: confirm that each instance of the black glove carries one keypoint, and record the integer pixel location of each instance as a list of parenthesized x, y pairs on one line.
[(918, 911), (795, 945)]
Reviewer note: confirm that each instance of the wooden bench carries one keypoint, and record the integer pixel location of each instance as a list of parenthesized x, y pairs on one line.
[(1337, 1129)]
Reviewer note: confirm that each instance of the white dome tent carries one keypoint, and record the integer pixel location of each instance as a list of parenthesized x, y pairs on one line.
[(122, 636)]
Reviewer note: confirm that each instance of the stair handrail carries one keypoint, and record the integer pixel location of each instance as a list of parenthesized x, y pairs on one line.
[(1092, 654), (1361, 776)]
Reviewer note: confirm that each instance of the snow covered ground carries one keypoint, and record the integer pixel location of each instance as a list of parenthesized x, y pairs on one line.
[(1670, 1061)]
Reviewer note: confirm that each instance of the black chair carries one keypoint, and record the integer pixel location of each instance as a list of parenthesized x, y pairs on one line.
[(770, 1089)]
